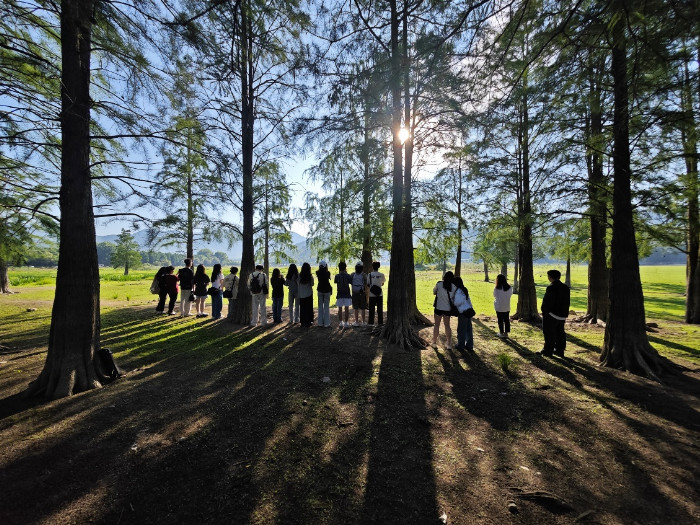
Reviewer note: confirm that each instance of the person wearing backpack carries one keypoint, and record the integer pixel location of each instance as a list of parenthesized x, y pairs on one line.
[(359, 299), (161, 290), (231, 288), (168, 286), (375, 281), (185, 276), (324, 291), (258, 285)]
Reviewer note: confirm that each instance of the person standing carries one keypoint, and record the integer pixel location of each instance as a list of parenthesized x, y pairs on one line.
[(258, 285), (324, 291), (375, 281), (277, 284), (292, 281), (185, 275), (343, 298), (162, 290), (555, 310), (306, 298), (443, 292), (359, 298), (217, 282), (465, 332), (201, 286), (231, 289), (501, 303), (169, 288)]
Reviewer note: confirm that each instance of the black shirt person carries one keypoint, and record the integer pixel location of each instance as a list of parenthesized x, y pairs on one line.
[(555, 310)]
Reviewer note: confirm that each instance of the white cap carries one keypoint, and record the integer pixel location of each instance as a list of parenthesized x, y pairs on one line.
[(323, 263), (359, 263)]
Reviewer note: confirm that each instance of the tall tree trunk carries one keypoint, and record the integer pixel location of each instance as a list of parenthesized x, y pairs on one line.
[(415, 316), (516, 269), (4, 278), (397, 328), (626, 344), (504, 270), (486, 272), (567, 275), (126, 267), (598, 301), (190, 202), (527, 297), (692, 188), (242, 310), (366, 194), (72, 364)]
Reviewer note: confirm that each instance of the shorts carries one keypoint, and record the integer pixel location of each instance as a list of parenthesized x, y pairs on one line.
[(343, 301), (359, 301), (444, 313)]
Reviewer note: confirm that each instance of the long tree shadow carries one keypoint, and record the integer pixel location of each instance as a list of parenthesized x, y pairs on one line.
[(401, 480)]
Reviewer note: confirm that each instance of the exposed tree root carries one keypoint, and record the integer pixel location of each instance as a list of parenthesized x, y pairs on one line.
[(403, 336), (638, 358), (417, 318)]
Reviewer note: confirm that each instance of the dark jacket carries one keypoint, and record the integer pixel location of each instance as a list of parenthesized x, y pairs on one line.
[(556, 299)]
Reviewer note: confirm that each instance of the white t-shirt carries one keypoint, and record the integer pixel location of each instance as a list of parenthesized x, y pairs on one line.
[(501, 301)]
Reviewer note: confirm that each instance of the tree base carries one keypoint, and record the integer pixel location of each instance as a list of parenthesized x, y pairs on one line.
[(531, 318), (638, 358), (403, 336)]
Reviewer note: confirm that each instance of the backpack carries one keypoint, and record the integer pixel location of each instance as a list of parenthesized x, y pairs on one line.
[(109, 364), (255, 287)]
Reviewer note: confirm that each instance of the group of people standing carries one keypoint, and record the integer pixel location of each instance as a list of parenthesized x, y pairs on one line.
[(452, 300), (351, 290)]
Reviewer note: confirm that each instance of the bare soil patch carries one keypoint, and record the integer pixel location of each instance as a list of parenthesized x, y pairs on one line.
[(323, 425)]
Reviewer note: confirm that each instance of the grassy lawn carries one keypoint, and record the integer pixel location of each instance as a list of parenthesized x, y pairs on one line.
[(216, 423)]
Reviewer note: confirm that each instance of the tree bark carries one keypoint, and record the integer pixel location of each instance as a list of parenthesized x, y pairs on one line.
[(4, 278), (397, 328), (626, 344), (415, 316), (598, 301), (504, 270), (242, 310), (516, 269), (72, 364), (486, 272), (527, 297), (690, 152)]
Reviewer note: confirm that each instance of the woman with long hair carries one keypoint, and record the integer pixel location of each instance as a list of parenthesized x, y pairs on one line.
[(306, 298), (501, 303), (201, 284), (217, 301), (443, 291), (465, 333), (324, 291), (292, 282), (277, 284)]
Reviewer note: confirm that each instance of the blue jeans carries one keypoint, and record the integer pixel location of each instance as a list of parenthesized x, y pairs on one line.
[(324, 311), (465, 334), (217, 303), (277, 309)]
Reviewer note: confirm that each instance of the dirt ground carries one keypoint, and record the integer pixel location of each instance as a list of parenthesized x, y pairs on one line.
[(323, 425)]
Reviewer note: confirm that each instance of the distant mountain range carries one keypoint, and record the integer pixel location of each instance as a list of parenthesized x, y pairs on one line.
[(234, 252)]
